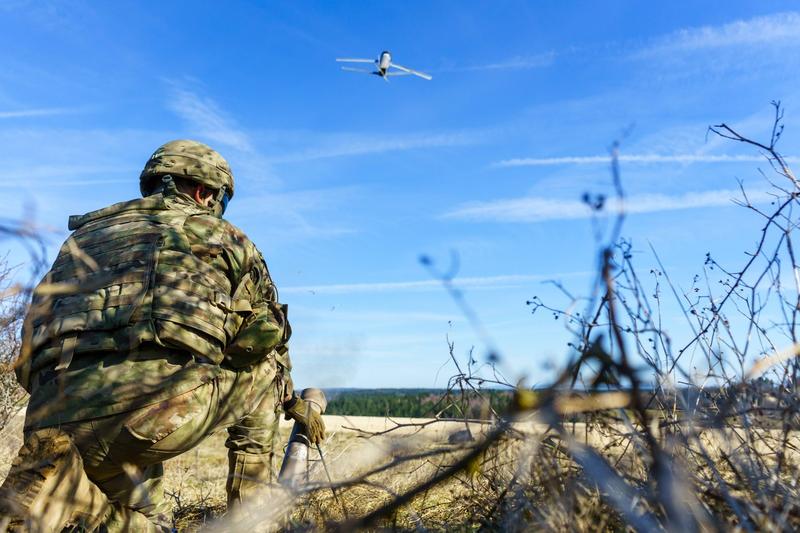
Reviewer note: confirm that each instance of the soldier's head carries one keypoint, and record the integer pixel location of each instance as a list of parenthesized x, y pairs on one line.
[(196, 169)]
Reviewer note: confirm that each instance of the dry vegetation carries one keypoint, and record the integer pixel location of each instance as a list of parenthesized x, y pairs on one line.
[(11, 313), (628, 437)]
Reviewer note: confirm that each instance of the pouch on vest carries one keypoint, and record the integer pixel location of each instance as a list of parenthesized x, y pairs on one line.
[(140, 278), (262, 331)]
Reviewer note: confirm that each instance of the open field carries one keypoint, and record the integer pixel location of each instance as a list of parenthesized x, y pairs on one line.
[(195, 481), (414, 451)]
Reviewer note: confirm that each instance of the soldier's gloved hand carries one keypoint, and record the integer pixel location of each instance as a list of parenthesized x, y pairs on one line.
[(305, 413)]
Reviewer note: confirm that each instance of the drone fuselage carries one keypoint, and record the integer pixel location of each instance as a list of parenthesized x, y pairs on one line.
[(384, 62)]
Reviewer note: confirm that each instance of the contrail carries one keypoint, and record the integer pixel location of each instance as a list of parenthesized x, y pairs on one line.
[(635, 158)]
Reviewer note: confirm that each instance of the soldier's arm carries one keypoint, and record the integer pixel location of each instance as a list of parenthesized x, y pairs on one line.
[(294, 407), (265, 328), (269, 293), (250, 440)]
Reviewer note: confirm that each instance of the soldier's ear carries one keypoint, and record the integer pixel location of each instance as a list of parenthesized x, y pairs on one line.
[(200, 195)]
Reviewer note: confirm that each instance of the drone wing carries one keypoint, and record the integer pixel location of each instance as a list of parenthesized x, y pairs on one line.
[(353, 60), (414, 72), (364, 70), (400, 73)]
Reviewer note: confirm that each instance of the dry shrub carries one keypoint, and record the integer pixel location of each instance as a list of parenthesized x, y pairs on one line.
[(630, 435), (11, 314)]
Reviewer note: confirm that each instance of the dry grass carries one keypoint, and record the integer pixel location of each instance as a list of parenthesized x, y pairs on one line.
[(196, 480), (466, 501), (532, 477)]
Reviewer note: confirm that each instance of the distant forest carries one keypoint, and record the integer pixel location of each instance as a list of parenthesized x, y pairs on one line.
[(420, 403), (427, 403)]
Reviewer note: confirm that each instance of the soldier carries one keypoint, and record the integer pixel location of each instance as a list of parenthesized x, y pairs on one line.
[(157, 324)]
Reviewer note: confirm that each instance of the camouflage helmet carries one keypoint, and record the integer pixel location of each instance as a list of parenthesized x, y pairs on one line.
[(187, 159)]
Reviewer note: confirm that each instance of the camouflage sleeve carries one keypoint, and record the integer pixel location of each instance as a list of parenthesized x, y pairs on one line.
[(265, 287), (264, 299), (265, 291)]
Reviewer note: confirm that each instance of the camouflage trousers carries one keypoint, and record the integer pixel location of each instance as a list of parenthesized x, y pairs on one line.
[(108, 471)]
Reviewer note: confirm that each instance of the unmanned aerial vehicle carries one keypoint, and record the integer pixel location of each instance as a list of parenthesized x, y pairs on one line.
[(383, 67)]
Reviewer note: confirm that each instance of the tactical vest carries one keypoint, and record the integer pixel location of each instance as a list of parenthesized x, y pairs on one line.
[(129, 274)]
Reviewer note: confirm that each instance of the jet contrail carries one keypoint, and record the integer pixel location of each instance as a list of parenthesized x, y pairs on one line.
[(635, 158)]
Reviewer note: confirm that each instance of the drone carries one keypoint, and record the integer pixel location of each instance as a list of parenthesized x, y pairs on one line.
[(383, 64)]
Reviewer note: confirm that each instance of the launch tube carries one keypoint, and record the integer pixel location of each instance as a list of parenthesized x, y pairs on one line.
[(295, 460)]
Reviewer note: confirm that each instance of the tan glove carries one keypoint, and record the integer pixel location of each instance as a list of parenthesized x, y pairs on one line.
[(306, 413)]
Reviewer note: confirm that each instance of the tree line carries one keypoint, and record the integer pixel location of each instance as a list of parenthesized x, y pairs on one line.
[(417, 403)]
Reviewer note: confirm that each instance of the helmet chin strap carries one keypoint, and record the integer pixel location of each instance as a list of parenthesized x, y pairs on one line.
[(220, 202)]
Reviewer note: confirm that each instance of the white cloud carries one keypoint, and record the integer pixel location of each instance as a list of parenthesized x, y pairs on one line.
[(44, 156), (349, 145), (50, 14), (537, 209), (636, 158), (485, 282), (377, 317), (513, 63), (769, 30), (52, 175), (41, 112), (10, 180), (206, 119), (305, 213)]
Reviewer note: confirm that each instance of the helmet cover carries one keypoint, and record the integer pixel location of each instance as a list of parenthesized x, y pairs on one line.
[(187, 159)]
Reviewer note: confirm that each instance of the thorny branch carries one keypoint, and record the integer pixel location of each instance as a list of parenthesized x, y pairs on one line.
[(693, 450)]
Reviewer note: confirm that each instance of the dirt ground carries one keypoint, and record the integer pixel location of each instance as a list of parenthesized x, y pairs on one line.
[(195, 481)]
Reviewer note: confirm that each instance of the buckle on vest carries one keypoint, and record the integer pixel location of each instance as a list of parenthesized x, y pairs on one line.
[(231, 305), (67, 351), (222, 301)]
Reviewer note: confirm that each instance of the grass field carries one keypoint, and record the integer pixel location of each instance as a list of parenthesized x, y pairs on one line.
[(370, 469), (195, 481)]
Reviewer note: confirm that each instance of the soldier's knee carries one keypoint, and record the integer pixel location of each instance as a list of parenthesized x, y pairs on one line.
[(42, 486), (42, 454)]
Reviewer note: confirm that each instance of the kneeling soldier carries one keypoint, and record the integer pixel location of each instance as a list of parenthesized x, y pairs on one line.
[(157, 324)]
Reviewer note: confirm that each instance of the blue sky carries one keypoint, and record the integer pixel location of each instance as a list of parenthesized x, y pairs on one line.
[(343, 181)]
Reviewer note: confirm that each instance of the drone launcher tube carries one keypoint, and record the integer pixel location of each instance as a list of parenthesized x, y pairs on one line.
[(295, 461)]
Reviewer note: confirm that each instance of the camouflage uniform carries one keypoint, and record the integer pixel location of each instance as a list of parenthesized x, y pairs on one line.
[(157, 325)]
